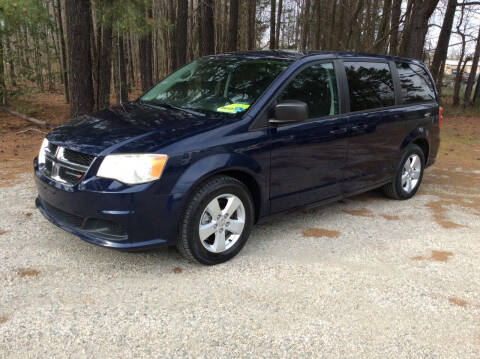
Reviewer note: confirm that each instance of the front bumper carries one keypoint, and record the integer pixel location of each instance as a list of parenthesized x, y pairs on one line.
[(109, 214)]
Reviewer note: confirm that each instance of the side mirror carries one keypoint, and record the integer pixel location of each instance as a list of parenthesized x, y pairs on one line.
[(290, 111)]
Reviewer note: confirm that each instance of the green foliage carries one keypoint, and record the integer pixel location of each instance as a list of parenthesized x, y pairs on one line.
[(30, 14), (124, 15), (23, 22)]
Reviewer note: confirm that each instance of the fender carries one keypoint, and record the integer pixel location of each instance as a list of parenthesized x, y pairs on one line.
[(208, 166), (421, 132)]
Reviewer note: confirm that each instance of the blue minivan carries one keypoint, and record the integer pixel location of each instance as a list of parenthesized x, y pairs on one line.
[(230, 139)]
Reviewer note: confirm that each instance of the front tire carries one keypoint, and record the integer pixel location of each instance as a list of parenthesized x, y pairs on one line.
[(408, 175), (216, 222)]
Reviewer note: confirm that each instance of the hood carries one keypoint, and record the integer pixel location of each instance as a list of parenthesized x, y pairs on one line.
[(133, 127)]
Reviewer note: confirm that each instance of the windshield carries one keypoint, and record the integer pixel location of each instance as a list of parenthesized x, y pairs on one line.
[(214, 84)]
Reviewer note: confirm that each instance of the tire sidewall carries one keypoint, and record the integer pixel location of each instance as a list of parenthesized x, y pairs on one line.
[(412, 149), (200, 253)]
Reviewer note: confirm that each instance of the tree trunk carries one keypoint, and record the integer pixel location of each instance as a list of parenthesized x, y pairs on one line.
[(131, 63), (149, 47), (395, 26), (340, 28), (318, 22), (207, 41), (252, 9), (279, 23), (78, 31), (181, 32), (198, 28), (191, 29), (145, 53), (66, 88), (442, 45), (418, 27), (306, 25), (11, 65), (105, 68), (273, 5), (50, 75), (406, 28), (332, 13), (37, 59), (384, 30), (172, 37), (459, 75), (233, 26), (352, 20), (122, 70), (95, 39), (2, 73), (473, 73), (26, 48), (476, 95), (460, 67)]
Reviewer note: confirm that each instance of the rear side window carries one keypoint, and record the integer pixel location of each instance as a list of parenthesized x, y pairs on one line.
[(370, 85), (317, 87), (415, 83)]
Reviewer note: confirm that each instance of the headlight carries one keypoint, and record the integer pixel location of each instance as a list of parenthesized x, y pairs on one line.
[(133, 169), (41, 154)]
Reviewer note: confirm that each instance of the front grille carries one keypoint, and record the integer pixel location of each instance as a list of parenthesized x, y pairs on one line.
[(52, 148), (48, 167), (70, 175), (97, 227), (65, 165), (77, 157)]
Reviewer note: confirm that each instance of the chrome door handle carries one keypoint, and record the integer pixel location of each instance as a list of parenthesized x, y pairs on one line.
[(359, 128), (339, 131)]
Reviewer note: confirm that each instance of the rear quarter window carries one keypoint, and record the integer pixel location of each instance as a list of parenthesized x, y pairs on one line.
[(415, 83), (370, 85)]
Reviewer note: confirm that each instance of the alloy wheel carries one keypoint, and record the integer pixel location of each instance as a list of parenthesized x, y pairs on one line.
[(411, 173), (222, 223)]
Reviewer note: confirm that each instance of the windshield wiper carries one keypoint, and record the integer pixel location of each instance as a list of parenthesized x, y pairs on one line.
[(168, 106)]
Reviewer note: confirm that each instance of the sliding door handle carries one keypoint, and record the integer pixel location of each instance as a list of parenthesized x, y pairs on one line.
[(359, 128), (339, 131)]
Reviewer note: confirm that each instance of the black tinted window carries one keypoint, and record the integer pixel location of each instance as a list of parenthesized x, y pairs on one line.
[(370, 85), (415, 82), (317, 87)]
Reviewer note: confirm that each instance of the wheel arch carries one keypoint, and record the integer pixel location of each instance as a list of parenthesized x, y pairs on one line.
[(248, 172), (424, 145), (419, 137)]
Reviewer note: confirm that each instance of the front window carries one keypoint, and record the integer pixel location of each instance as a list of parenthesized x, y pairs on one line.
[(317, 87), (216, 84)]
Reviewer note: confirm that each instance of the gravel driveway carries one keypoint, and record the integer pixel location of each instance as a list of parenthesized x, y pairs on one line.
[(364, 277)]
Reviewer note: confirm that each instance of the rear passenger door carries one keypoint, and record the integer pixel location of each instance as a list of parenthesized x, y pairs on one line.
[(376, 129)]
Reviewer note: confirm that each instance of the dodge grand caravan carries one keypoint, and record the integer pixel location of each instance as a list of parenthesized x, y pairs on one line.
[(230, 139)]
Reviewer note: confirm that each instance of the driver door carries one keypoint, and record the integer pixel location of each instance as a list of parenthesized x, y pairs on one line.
[(308, 157)]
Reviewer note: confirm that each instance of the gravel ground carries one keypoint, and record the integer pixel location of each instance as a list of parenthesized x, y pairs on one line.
[(364, 277)]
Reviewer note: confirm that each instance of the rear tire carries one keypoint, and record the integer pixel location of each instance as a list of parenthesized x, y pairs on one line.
[(408, 174), (216, 222)]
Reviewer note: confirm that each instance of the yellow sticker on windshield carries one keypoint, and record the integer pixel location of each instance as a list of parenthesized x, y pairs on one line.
[(233, 108)]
